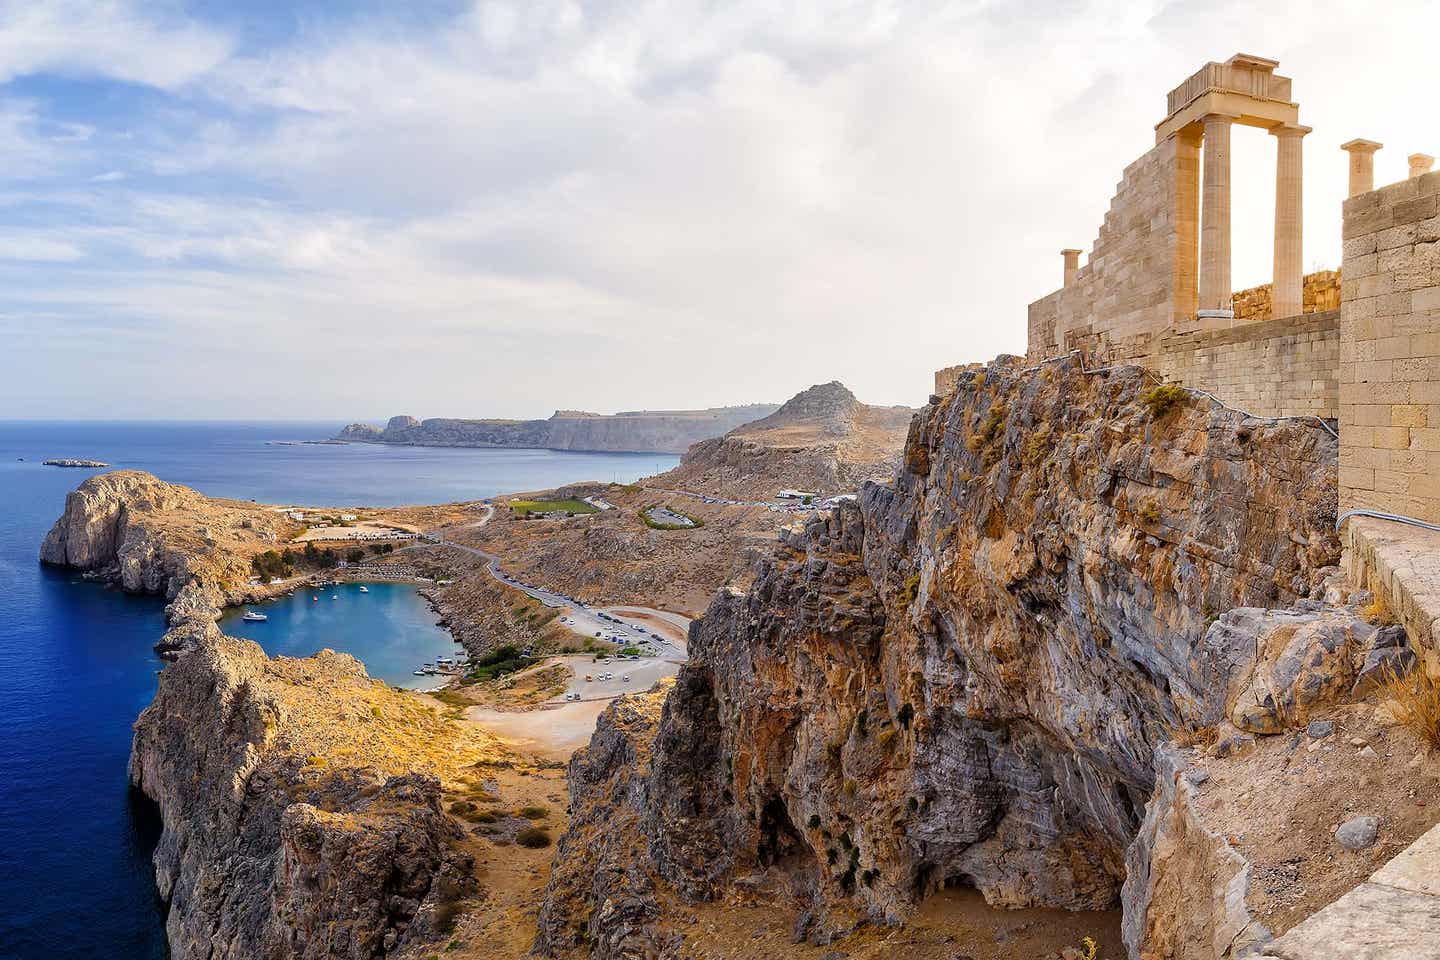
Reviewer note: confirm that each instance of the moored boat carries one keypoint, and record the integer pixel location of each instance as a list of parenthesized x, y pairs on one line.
[(254, 617)]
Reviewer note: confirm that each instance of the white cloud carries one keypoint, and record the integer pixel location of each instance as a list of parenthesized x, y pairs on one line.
[(37, 249), (125, 40), (510, 208)]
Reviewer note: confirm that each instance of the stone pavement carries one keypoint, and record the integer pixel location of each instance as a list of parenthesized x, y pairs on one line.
[(1395, 915)]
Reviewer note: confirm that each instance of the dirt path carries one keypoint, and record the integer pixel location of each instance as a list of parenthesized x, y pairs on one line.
[(554, 732)]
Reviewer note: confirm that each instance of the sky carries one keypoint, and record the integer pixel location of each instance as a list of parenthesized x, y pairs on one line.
[(445, 208)]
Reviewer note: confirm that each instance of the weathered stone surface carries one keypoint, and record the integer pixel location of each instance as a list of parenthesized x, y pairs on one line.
[(1184, 892), (267, 852), (966, 675), (1371, 922)]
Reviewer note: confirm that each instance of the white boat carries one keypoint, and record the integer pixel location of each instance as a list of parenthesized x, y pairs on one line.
[(364, 589), (334, 596), (418, 673), (254, 617)]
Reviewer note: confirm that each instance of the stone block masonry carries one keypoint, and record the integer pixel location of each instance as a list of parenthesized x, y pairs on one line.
[(1320, 292), (1390, 350), (1278, 368)]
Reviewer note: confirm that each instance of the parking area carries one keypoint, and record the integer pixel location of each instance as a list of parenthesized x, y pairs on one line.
[(608, 678)]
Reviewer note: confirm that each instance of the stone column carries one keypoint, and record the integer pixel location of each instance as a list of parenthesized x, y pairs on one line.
[(1287, 296), (1185, 282), (1362, 165), (1072, 264), (1420, 164), (1215, 292)]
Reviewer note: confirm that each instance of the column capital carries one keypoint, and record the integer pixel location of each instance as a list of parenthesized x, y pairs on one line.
[(1069, 252), (1420, 164), (1361, 146), (1289, 130)]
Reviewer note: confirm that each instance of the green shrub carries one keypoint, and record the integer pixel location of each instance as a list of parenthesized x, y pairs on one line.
[(814, 821), (533, 813), (1164, 398), (533, 837)]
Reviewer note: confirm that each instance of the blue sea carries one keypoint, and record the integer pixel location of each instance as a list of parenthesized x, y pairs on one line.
[(76, 664)]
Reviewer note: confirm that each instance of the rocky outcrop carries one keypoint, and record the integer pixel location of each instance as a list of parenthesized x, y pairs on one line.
[(144, 535), (641, 431), (299, 816), (965, 677), (598, 893), (97, 532), (823, 440)]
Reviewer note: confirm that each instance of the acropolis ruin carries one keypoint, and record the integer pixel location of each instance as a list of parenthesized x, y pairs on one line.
[(1358, 348)]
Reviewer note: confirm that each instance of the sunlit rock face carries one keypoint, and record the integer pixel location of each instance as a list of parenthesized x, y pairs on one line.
[(964, 677)]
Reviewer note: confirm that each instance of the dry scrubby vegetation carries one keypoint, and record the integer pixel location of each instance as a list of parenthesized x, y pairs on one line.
[(1413, 701), (1165, 398)]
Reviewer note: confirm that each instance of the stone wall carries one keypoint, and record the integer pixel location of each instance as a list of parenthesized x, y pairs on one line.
[(1390, 350), (1319, 292), (1127, 288), (1277, 368)]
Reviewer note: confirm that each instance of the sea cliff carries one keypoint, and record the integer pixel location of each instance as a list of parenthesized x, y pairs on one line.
[(641, 431), (301, 804), (969, 677)]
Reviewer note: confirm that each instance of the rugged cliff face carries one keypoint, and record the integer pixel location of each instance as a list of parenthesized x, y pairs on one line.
[(964, 678), (822, 439), (144, 535), (301, 807), (641, 431)]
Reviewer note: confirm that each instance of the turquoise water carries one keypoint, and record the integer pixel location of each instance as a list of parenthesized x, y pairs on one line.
[(76, 664), (391, 628)]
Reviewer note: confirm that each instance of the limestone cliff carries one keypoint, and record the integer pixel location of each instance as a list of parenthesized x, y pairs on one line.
[(965, 677), (822, 439), (301, 807), (640, 431)]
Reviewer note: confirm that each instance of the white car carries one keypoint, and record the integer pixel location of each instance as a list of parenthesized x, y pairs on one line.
[(626, 678)]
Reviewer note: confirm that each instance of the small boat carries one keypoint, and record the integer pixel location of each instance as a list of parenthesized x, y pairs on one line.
[(334, 596), (254, 617), (418, 673), (316, 598), (364, 589)]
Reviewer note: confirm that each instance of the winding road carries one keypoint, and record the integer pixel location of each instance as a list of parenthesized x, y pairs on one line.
[(580, 617)]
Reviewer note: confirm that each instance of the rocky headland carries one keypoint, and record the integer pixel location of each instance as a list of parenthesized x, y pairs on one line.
[(301, 804), (822, 440), (1087, 649), (977, 676), (638, 431)]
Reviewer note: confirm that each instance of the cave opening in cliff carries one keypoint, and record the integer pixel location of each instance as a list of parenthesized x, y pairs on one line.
[(779, 839)]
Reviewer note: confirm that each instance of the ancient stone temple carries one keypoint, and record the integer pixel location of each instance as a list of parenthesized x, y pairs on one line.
[(1156, 287), (1358, 347)]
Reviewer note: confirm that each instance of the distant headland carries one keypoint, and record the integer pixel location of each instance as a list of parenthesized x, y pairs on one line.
[(639, 431)]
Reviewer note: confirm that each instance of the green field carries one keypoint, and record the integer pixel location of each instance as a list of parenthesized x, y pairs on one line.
[(547, 506)]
